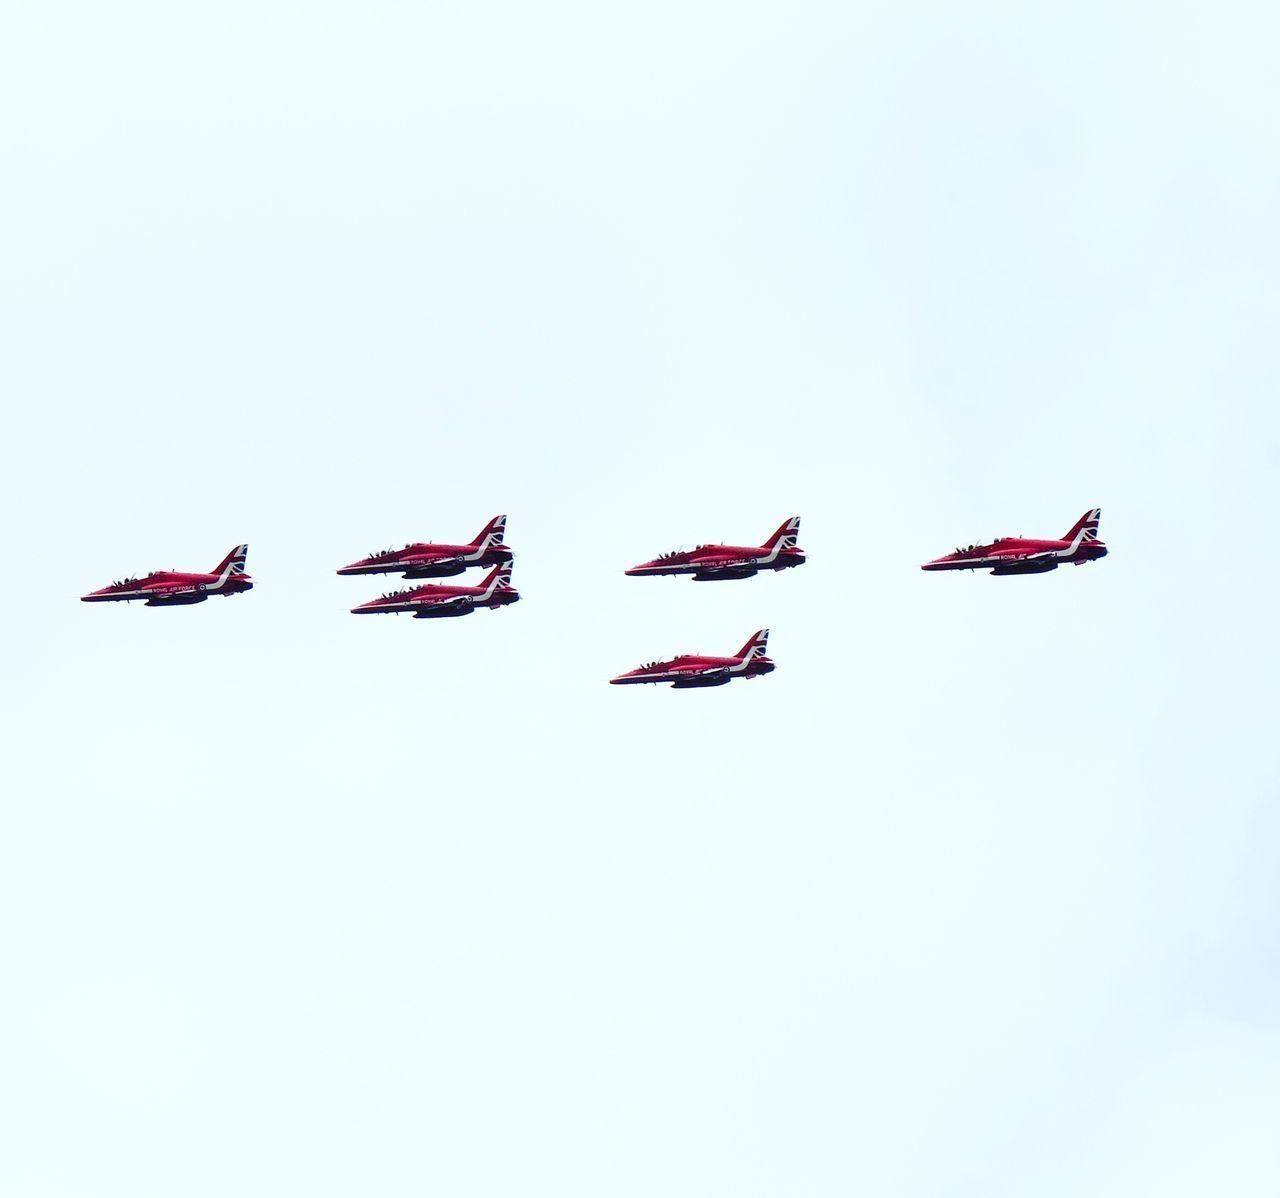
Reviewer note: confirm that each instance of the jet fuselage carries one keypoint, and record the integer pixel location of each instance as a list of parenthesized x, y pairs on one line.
[(691, 670), (709, 563), (1028, 555), (429, 560), (1019, 555), (173, 588), (435, 600)]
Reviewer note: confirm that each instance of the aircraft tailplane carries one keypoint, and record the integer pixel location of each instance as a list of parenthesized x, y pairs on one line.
[(233, 563), (1087, 524), (498, 577), (492, 532), (787, 534)]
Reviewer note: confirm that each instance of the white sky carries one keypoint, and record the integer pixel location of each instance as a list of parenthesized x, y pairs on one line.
[(975, 895)]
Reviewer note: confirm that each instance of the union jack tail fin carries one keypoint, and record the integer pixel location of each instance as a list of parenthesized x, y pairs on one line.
[(755, 647), (787, 533), (233, 563), (498, 578), (491, 533), (1087, 524)]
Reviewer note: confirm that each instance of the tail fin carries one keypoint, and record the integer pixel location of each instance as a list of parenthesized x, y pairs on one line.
[(498, 577), (491, 533), (1087, 524), (755, 647), (233, 563), (788, 532)]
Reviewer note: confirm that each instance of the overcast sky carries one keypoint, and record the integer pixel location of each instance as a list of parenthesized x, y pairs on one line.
[(975, 895)]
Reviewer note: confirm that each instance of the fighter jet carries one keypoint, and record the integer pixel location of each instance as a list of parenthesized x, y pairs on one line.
[(430, 560), (691, 670), (710, 563), (1020, 555), (167, 588), (434, 601)]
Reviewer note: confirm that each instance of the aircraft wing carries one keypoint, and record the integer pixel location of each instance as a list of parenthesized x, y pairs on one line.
[(704, 672), (708, 676), (431, 567), (732, 568), (1012, 559), (456, 603)]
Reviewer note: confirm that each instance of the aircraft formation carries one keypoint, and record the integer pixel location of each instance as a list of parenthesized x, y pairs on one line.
[(431, 560), (705, 563)]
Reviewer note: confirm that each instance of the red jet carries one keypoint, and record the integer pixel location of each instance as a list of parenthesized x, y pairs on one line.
[(1018, 555), (438, 561), (690, 670), (166, 588), (434, 601), (710, 563)]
